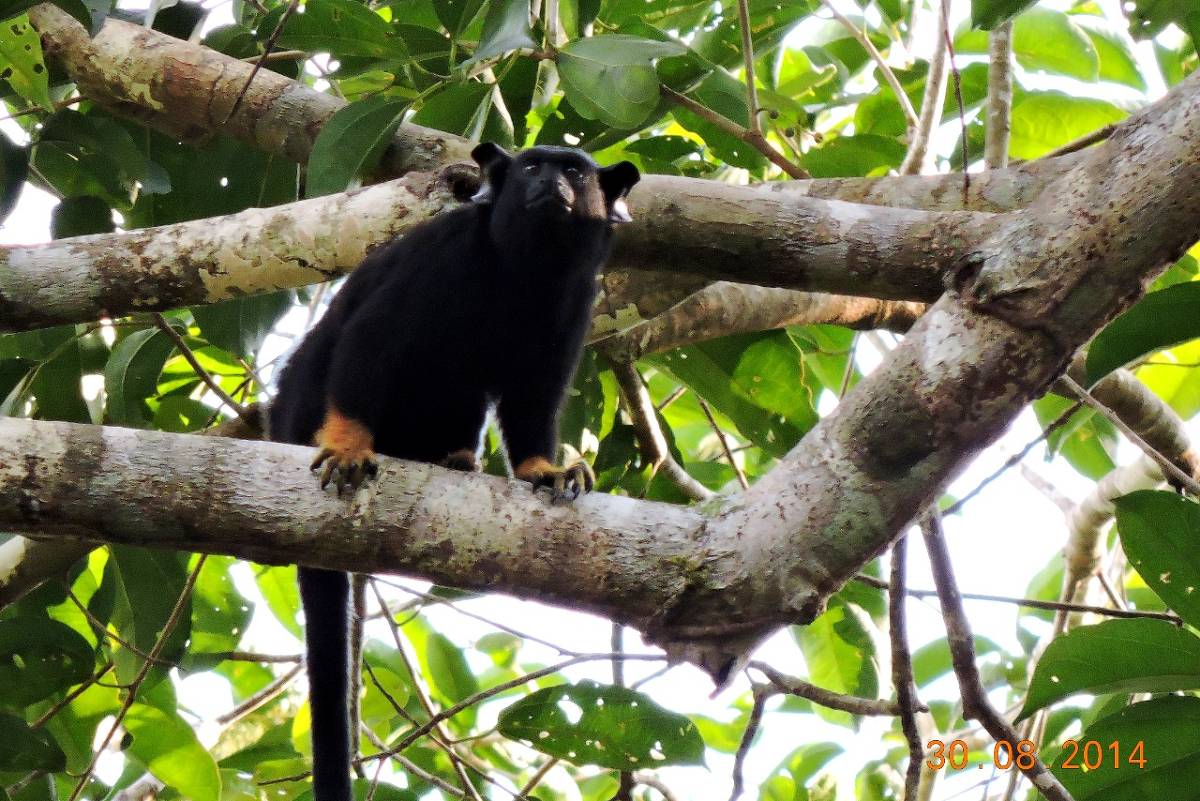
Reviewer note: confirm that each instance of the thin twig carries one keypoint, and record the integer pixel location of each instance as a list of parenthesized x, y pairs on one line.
[(962, 655), (71, 696), (649, 779), (906, 105), (201, 373), (932, 102), (902, 669), (268, 46), (748, 60), (537, 777), (1016, 458), (712, 421), (261, 698), (135, 685), (439, 735), (280, 55), (1169, 468), (1032, 603), (652, 443), (962, 115), (1098, 135), (753, 723), (826, 698), (407, 764), (752, 138)]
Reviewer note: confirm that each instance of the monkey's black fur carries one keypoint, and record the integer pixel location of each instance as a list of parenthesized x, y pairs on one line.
[(486, 305)]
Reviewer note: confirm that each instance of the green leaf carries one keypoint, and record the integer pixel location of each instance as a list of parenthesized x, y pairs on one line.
[(21, 61), (1160, 532), (505, 28), (442, 662), (1150, 17), (279, 589), (58, 386), (456, 15), (460, 108), (1158, 321), (847, 156), (1170, 739), (1048, 40), (39, 657), (240, 325), (168, 747), (932, 661), (28, 750), (987, 14), (337, 27), (1087, 439), (221, 613), (351, 143), (131, 375), (612, 78), (725, 95), (756, 380), (14, 166), (77, 9), (149, 584), (595, 724), (839, 649), (1125, 656), (1115, 49), (1042, 121), (78, 216)]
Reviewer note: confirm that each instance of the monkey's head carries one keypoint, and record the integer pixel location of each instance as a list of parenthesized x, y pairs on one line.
[(550, 186)]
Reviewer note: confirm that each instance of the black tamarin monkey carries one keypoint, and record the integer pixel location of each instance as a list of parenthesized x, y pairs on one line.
[(483, 306)]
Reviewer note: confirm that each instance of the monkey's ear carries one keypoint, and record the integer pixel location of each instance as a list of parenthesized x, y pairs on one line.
[(493, 163), (615, 182)]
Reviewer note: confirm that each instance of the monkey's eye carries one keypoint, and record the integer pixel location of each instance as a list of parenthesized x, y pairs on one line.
[(571, 172), (531, 168)]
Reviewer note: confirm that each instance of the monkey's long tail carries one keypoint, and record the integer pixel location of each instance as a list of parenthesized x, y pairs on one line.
[(326, 598)]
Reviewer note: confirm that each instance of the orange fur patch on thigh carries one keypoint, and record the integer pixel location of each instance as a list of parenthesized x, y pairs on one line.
[(344, 435), (534, 468)]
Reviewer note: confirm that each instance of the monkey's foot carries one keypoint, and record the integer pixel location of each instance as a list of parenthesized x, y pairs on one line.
[(567, 482), (463, 459), (347, 450)]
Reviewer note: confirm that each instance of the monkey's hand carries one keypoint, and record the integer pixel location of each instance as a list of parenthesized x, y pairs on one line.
[(346, 448), (567, 482)]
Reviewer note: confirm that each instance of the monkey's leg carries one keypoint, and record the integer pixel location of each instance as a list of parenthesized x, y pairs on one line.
[(347, 449)]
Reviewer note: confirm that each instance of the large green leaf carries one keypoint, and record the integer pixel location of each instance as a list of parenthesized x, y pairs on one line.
[(58, 386), (596, 724), (14, 166), (932, 661), (279, 590), (505, 28), (612, 78), (221, 613), (839, 649), (756, 380), (1042, 121), (131, 375), (456, 15), (1158, 321), (240, 325), (39, 657), (1043, 40), (1163, 731), (148, 586), (27, 750), (78, 216), (1149, 17), (337, 27), (1160, 532), (846, 156), (1126, 656), (1118, 63), (351, 142), (988, 14), (21, 63), (169, 748), (77, 9)]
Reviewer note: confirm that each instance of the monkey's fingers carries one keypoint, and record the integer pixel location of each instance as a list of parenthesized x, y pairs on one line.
[(573, 480), (322, 455)]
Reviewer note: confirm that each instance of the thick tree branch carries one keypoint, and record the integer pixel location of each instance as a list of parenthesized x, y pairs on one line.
[(689, 226), (188, 91)]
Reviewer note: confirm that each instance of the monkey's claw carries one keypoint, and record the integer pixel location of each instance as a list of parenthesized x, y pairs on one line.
[(345, 467), (566, 483)]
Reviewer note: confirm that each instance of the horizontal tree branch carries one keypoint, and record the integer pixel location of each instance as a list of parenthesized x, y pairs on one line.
[(701, 229)]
